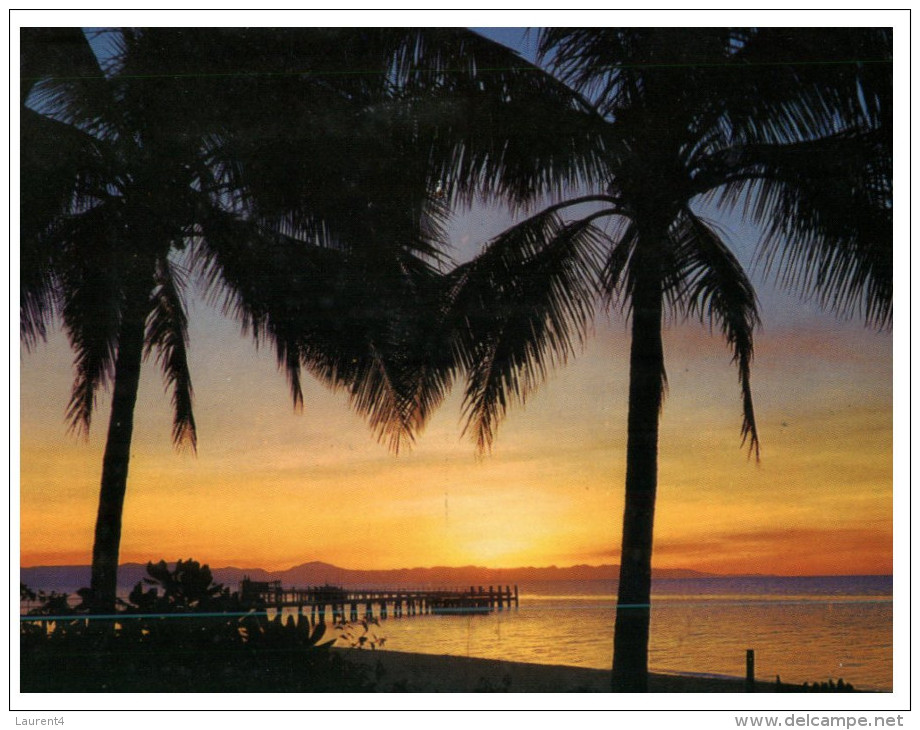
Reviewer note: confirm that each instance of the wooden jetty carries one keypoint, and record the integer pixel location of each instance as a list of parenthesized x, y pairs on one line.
[(352, 604)]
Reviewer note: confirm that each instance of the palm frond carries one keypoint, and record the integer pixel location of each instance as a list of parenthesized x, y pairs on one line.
[(614, 277), (467, 97), (297, 123), (826, 207), (53, 52), (92, 301), (623, 68), (228, 256), (381, 341), (167, 334), (407, 369), (794, 84), (55, 160), (58, 168), (633, 263), (85, 98), (358, 323), (716, 289), (523, 306)]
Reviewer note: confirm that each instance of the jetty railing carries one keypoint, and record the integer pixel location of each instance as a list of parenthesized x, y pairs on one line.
[(356, 603)]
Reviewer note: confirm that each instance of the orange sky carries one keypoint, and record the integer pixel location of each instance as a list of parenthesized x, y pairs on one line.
[(271, 489)]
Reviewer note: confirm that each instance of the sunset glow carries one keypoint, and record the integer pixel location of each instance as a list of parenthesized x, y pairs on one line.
[(270, 488), (407, 358), (273, 488)]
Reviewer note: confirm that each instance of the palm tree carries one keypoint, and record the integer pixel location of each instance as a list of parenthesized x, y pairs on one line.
[(791, 126), (270, 183)]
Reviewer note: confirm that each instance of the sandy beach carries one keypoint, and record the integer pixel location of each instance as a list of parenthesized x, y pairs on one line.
[(405, 672)]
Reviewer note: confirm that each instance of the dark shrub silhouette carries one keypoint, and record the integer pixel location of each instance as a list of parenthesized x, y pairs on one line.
[(181, 632)]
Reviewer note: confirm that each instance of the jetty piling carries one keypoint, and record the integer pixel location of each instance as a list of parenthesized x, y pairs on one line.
[(344, 604)]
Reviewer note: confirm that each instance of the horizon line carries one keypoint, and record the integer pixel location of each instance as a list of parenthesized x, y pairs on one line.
[(704, 573)]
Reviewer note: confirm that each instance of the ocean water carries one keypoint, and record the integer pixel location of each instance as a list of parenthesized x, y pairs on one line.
[(802, 629)]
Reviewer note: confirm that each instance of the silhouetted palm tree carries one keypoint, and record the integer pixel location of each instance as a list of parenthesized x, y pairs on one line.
[(252, 161), (791, 126)]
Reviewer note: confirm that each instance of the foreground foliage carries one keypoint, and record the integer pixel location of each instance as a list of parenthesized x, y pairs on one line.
[(202, 659), (179, 631)]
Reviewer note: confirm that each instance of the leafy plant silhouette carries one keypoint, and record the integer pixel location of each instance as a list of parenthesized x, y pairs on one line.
[(180, 631), (361, 635)]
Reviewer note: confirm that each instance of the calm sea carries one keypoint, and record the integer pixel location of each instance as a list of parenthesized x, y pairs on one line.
[(803, 629)]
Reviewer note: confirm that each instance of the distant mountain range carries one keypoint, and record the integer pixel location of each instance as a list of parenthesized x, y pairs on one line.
[(69, 578)]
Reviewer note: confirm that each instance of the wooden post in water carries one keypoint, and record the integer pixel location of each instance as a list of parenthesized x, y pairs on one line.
[(749, 674), (491, 598), (516, 604)]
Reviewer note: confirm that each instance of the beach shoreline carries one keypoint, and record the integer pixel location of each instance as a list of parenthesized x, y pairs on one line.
[(397, 671)]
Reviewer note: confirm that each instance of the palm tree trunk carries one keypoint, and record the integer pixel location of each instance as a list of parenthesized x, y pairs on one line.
[(116, 458), (646, 385)]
